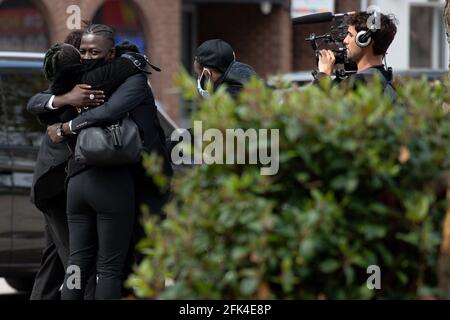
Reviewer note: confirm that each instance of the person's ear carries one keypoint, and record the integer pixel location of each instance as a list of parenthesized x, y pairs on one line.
[(112, 53), (208, 73)]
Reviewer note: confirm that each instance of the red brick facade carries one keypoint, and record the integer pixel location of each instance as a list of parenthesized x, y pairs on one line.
[(268, 42), (264, 41), (162, 31)]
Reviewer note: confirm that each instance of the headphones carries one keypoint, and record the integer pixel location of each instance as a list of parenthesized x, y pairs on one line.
[(364, 37)]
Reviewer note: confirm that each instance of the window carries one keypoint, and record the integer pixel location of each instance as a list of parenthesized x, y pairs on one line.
[(23, 131), (22, 127), (24, 135), (428, 44), (189, 45), (122, 16), (22, 27)]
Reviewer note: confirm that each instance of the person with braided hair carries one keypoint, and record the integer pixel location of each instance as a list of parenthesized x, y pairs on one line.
[(64, 69), (103, 202), (47, 191)]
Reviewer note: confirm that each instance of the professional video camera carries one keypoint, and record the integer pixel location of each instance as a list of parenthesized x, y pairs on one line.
[(335, 37)]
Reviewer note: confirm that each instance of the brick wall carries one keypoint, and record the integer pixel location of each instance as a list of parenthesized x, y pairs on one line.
[(268, 42), (161, 20), (263, 41)]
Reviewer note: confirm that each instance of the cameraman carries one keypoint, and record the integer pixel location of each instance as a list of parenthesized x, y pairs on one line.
[(367, 55)]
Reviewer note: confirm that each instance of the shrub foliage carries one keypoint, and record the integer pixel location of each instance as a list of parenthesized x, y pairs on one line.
[(357, 186)]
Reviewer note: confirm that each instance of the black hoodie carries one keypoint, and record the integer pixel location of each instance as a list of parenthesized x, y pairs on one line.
[(385, 76), (365, 76), (102, 75), (235, 77)]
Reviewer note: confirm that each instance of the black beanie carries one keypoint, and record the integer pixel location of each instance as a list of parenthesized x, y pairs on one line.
[(215, 53)]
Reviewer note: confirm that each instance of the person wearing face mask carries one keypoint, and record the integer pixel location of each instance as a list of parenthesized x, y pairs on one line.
[(47, 191), (64, 69), (366, 48), (103, 202), (215, 61)]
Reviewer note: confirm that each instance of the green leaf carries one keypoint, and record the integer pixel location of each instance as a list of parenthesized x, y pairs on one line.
[(329, 265), (249, 286)]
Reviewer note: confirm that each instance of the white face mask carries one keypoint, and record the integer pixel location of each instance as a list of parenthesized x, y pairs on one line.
[(204, 93)]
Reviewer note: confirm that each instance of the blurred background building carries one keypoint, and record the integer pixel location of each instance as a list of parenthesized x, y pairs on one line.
[(259, 30)]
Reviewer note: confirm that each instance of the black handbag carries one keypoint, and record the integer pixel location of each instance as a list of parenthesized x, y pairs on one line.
[(113, 145)]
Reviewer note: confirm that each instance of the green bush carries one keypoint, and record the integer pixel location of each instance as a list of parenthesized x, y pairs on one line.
[(356, 187)]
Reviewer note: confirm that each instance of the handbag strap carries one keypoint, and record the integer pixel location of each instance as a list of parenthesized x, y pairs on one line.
[(140, 61)]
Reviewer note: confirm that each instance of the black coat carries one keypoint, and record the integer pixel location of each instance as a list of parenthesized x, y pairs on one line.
[(49, 174), (235, 77), (365, 77), (135, 97)]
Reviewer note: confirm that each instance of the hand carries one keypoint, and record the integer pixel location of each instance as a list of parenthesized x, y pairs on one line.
[(51, 131), (327, 61), (66, 129), (80, 97)]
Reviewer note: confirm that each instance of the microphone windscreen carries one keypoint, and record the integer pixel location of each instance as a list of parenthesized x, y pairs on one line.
[(313, 18)]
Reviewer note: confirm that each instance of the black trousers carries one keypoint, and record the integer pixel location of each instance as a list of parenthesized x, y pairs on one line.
[(100, 210), (50, 276)]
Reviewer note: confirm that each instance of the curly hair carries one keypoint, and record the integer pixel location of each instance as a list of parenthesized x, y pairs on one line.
[(383, 37)]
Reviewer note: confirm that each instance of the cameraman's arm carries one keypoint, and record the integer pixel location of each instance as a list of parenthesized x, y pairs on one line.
[(327, 60)]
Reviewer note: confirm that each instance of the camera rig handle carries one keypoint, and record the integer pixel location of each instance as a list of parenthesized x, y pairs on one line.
[(336, 36)]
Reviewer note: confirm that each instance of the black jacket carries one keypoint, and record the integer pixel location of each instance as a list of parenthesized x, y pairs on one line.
[(235, 77), (134, 97), (50, 172), (101, 75), (386, 79), (364, 77)]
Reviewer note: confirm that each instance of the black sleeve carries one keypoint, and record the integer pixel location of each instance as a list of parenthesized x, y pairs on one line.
[(354, 80), (234, 90), (37, 104), (128, 96), (111, 75), (350, 82)]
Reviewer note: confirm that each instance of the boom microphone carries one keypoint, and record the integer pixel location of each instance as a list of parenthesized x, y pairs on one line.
[(318, 18), (313, 18)]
